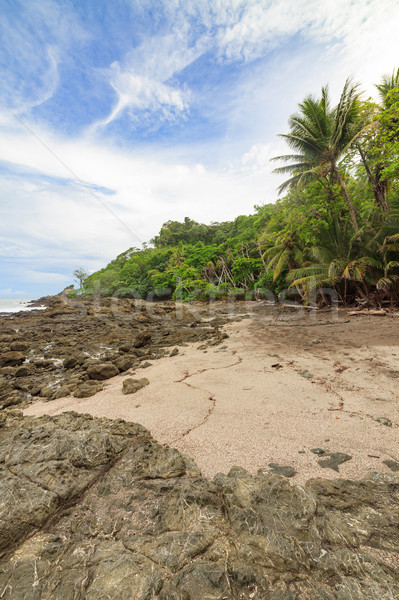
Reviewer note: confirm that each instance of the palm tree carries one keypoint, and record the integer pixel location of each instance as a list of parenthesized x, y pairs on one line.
[(320, 135), (283, 252), (337, 259), (388, 83)]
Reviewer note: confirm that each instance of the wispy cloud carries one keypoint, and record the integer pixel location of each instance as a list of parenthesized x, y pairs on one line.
[(145, 82), (36, 36)]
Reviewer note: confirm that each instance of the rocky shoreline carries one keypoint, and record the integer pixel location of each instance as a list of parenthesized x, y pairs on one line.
[(96, 509), (73, 346)]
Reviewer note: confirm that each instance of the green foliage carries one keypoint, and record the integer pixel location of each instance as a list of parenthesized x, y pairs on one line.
[(337, 226)]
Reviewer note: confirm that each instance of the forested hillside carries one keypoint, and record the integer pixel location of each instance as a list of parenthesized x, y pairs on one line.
[(336, 226)]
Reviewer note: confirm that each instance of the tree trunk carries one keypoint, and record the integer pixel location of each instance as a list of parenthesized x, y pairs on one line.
[(379, 186), (345, 194)]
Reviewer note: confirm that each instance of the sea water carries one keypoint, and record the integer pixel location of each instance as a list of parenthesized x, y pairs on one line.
[(13, 305)]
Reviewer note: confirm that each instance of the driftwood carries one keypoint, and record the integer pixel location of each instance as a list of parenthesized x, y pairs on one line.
[(365, 311)]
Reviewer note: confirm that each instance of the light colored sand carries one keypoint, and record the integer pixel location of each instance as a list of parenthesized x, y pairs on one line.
[(231, 407)]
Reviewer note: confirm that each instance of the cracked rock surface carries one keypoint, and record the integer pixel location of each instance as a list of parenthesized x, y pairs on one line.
[(94, 509)]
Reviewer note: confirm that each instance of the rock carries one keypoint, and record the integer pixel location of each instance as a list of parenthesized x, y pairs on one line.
[(87, 389), (125, 348), (123, 363), (102, 371), (131, 386), (11, 399), (174, 352), (11, 358), (334, 460), (142, 339), (383, 421), (34, 389), (145, 365), (7, 371), (20, 346), (392, 464), (22, 383), (96, 509), (284, 471), (65, 390), (46, 392), (319, 451), (5, 388), (305, 373), (24, 370), (74, 360)]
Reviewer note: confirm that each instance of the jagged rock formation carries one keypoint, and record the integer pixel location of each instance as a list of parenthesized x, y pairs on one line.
[(93, 509)]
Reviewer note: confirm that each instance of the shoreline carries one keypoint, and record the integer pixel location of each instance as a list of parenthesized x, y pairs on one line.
[(297, 382)]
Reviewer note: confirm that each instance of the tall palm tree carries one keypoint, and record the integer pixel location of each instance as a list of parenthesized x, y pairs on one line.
[(320, 136)]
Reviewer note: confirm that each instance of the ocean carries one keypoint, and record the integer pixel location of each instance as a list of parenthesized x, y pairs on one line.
[(13, 305)]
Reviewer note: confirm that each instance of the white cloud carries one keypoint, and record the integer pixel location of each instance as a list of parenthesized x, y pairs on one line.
[(354, 27), (144, 81)]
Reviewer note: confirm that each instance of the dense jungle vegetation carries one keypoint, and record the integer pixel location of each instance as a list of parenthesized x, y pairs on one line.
[(337, 225)]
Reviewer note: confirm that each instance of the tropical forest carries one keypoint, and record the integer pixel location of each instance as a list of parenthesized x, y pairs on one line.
[(334, 224)]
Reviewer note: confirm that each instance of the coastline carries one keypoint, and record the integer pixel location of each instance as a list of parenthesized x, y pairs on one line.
[(254, 386)]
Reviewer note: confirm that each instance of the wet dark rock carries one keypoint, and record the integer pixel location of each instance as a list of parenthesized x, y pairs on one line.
[(131, 386), (334, 460), (96, 509), (102, 371)]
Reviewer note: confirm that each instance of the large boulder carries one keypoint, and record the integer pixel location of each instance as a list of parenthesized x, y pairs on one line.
[(102, 371)]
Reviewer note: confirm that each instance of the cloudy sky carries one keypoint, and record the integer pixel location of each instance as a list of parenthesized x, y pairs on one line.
[(118, 116)]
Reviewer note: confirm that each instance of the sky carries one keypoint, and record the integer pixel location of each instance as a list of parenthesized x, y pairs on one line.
[(116, 117)]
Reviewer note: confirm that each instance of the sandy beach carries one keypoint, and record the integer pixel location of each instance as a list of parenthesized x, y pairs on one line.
[(272, 392)]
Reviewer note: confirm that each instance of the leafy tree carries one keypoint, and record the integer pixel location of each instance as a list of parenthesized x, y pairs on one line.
[(80, 275)]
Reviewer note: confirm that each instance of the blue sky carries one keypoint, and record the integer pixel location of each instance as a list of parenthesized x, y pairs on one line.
[(117, 116)]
